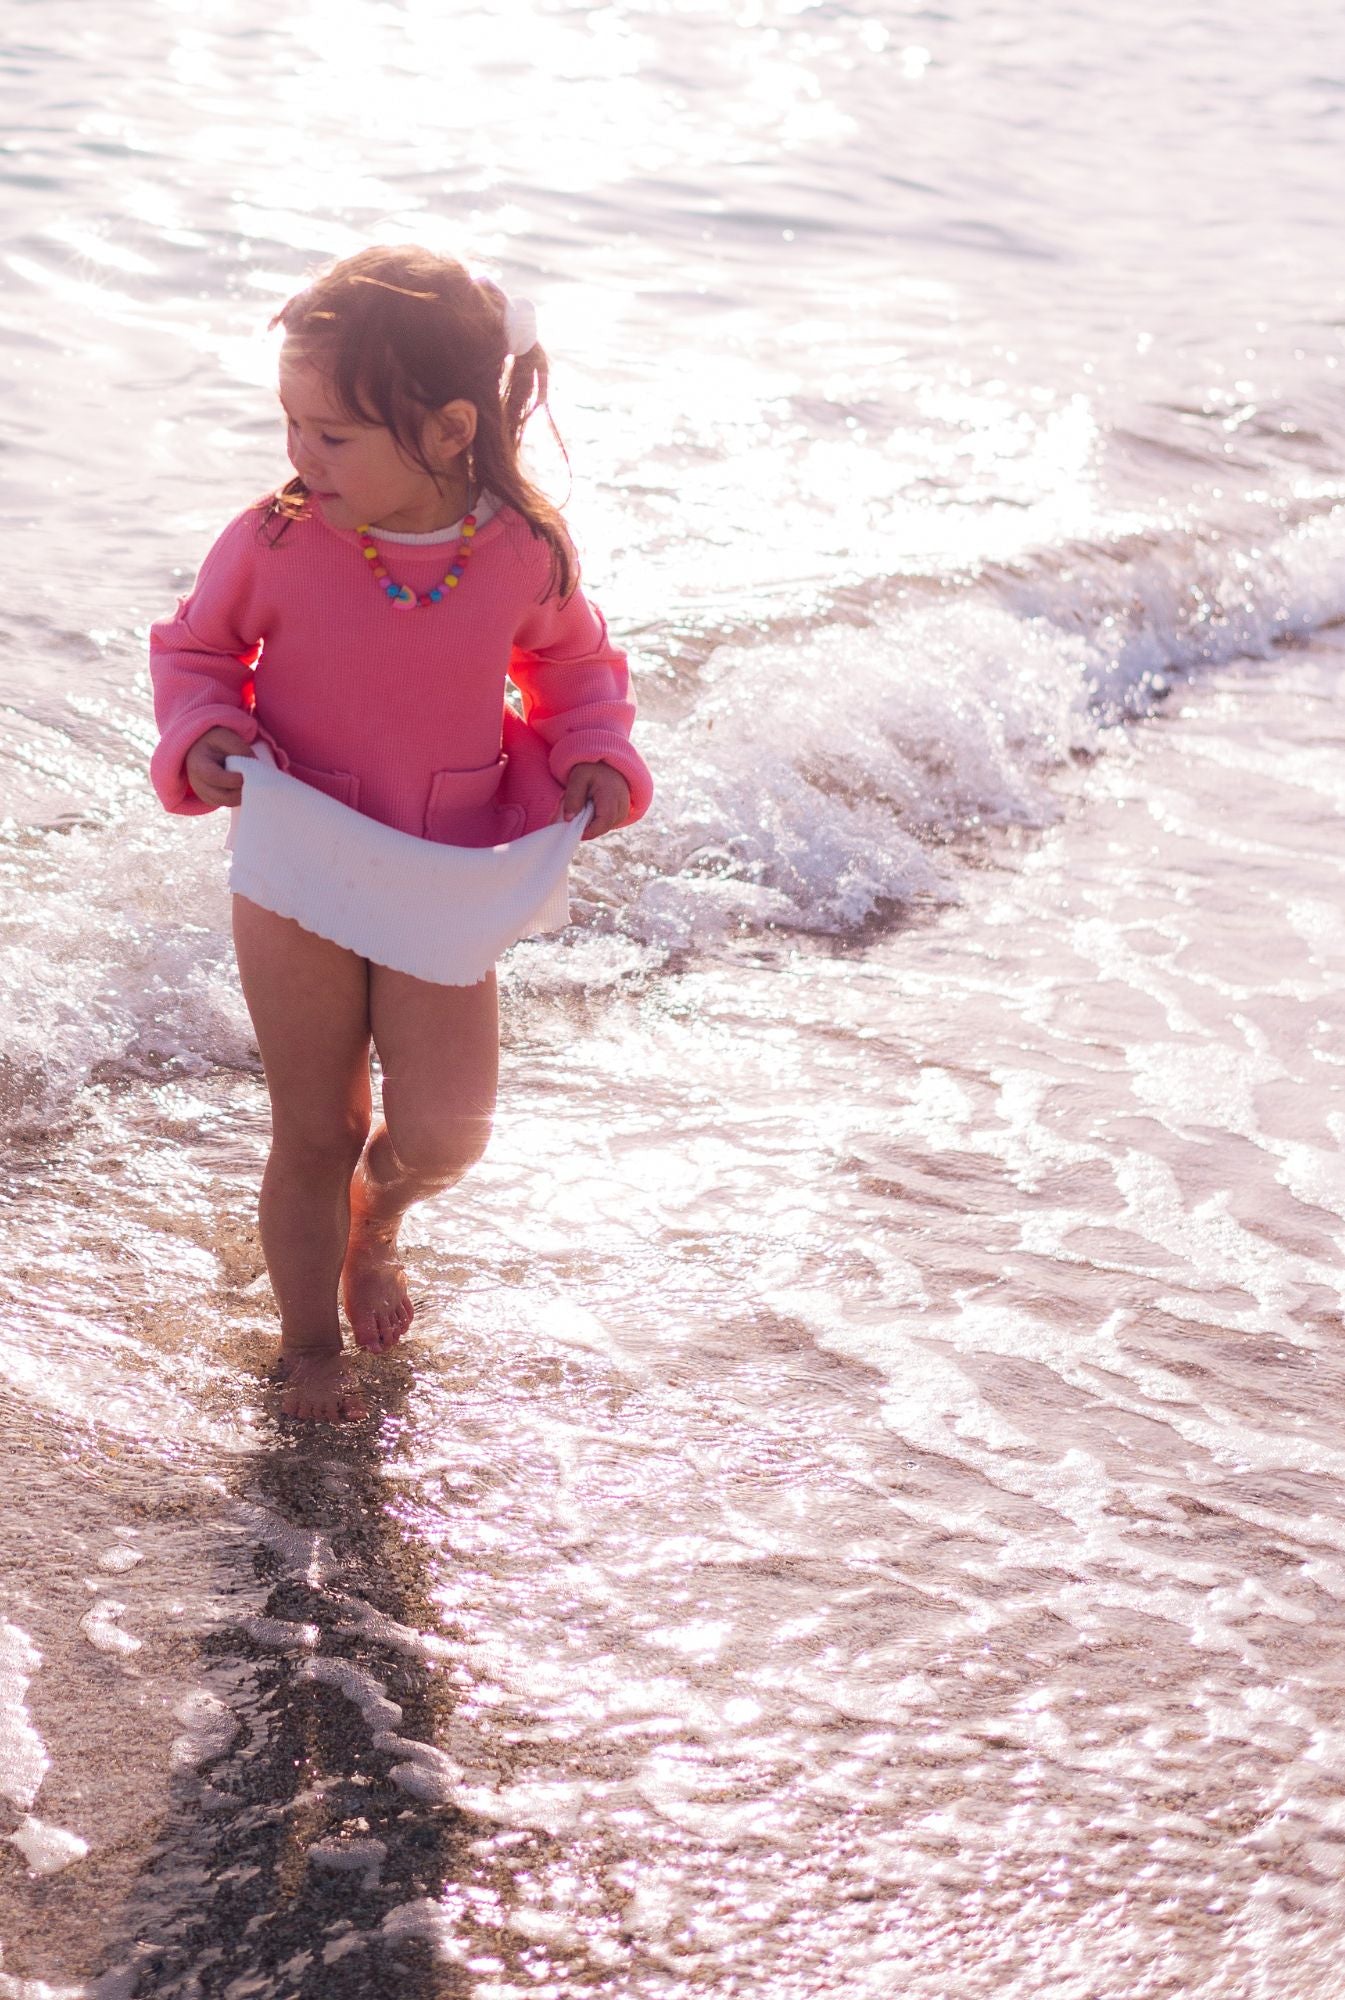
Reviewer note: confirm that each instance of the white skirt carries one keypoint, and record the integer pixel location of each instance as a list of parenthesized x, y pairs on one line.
[(440, 913)]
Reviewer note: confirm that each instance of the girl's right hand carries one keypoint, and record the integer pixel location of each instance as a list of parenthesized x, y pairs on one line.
[(212, 784)]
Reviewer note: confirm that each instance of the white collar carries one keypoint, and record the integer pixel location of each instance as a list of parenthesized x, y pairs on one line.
[(485, 507)]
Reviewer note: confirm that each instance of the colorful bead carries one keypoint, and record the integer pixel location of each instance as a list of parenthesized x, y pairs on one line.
[(400, 595)]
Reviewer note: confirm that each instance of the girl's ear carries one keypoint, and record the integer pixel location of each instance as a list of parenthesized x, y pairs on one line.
[(452, 429)]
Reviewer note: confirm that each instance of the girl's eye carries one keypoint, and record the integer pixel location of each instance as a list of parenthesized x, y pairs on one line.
[(291, 427)]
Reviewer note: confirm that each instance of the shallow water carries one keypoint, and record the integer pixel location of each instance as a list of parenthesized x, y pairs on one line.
[(861, 1511), (863, 1508)]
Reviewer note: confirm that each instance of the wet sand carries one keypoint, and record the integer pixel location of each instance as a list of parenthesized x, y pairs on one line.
[(863, 1513)]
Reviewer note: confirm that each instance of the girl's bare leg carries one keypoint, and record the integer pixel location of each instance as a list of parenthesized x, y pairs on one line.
[(439, 1047), (309, 1002)]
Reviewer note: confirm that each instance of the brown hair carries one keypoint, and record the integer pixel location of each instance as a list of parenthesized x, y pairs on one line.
[(401, 332)]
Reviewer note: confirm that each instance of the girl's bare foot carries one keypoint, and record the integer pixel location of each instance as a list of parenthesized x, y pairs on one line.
[(373, 1285), (320, 1386)]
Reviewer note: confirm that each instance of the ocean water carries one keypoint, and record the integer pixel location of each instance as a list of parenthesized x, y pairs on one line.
[(862, 1509)]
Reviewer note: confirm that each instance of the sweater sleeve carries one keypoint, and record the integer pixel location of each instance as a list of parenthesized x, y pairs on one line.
[(576, 693), (201, 663)]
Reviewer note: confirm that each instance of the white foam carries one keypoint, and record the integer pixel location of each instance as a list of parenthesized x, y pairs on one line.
[(358, 1686), (551, 1927), (209, 1727), (23, 1757), (280, 1634), (120, 1559), (550, 1806), (364, 1621), (818, 775), (425, 1772), (47, 1849), (808, 781), (432, 1922), (103, 970), (356, 1857), (306, 1553), (431, 1775), (102, 1631), (38, 1989)]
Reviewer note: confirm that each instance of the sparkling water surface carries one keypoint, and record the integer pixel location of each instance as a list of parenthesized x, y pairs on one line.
[(861, 1511)]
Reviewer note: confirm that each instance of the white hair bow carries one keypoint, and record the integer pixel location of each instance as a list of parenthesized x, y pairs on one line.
[(520, 325)]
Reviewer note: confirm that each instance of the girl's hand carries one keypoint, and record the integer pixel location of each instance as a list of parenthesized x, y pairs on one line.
[(212, 784), (610, 794)]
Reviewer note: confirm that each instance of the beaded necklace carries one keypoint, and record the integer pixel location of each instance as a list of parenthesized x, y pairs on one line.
[(400, 595)]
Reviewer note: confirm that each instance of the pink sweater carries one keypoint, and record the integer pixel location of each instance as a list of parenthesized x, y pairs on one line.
[(400, 714)]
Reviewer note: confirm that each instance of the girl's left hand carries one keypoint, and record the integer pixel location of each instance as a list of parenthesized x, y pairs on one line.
[(610, 794)]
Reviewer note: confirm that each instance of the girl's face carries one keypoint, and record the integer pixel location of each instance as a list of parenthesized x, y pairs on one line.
[(358, 473)]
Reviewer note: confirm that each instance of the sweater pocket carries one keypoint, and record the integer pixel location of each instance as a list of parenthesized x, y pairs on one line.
[(463, 808), (339, 785)]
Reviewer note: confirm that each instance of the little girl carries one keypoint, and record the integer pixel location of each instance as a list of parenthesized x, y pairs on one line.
[(360, 624)]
